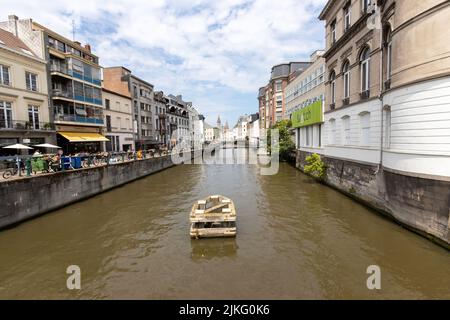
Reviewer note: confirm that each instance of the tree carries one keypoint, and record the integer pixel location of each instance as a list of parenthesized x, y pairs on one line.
[(286, 145)]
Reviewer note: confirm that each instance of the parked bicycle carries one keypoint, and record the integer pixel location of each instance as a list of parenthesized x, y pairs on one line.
[(9, 172)]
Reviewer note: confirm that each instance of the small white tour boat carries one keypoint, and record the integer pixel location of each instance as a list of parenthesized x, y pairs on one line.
[(212, 217)]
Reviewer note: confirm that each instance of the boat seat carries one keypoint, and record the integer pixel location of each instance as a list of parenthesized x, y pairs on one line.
[(201, 202), (199, 211), (226, 201), (226, 210)]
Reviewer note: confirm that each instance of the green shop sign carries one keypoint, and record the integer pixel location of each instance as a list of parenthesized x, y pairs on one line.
[(307, 116)]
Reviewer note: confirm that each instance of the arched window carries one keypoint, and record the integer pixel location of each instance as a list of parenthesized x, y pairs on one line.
[(332, 132), (387, 127), (346, 73), (364, 118), (365, 69), (389, 54), (346, 130), (333, 87)]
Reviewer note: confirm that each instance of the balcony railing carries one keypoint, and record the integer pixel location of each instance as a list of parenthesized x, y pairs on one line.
[(59, 68), (78, 119), (25, 125), (68, 94), (65, 70)]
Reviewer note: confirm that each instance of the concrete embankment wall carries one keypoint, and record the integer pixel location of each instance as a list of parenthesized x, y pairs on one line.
[(421, 204), (23, 199)]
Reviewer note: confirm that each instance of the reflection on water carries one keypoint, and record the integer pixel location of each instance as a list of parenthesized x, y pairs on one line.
[(296, 239), (208, 249)]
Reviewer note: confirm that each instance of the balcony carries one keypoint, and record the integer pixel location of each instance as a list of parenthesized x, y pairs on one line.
[(78, 119), (59, 68), (61, 93), (365, 95), (89, 100), (25, 125)]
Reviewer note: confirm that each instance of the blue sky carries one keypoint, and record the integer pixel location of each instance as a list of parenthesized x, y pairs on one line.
[(215, 53)]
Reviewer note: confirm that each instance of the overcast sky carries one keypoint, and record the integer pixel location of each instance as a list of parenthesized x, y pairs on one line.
[(216, 53)]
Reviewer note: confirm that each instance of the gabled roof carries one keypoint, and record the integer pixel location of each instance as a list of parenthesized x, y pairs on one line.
[(10, 41)]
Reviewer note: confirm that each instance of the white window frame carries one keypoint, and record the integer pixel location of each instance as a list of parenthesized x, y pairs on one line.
[(28, 78), (34, 111), (2, 70), (347, 17), (346, 80), (333, 32), (333, 87), (332, 138), (365, 66), (387, 127), (346, 131), (364, 118), (389, 56), (5, 113)]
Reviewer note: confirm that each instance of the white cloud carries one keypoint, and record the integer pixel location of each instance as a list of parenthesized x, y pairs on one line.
[(177, 44)]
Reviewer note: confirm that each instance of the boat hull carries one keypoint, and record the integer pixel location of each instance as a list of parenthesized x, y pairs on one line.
[(213, 233)]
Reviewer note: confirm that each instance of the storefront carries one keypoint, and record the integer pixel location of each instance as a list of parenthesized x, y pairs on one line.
[(80, 142), (307, 123)]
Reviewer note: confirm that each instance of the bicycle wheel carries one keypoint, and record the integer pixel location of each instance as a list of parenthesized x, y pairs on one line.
[(7, 174)]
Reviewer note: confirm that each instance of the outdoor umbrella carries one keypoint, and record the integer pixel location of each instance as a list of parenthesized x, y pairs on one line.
[(18, 146), (47, 145)]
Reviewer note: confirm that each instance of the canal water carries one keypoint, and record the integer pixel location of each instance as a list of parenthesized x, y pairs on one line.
[(296, 240)]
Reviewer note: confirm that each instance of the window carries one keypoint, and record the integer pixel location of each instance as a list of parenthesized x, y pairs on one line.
[(108, 123), (333, 32), (309, 136), (61, 46), (365, 5), (347, 17), (33, 117), (365, 70), (346, 72), (4, 75), (332, 137), (5, 115), (278, 86), (333, 87), (78, 89), (365, 128), (389, 55), (387, 127), (31, 81), (77, 66), (346, 130), (107, 104)]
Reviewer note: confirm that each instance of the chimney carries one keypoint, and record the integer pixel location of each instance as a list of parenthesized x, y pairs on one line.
[(87, 46), (78, 43), (13, 24)]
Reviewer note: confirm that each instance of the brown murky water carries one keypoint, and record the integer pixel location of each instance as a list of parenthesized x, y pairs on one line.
[(296, 239)]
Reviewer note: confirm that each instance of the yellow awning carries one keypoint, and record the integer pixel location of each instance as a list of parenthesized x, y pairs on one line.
[(83, 137)]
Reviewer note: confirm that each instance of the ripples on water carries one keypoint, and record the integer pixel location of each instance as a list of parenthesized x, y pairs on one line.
[(296, 239)]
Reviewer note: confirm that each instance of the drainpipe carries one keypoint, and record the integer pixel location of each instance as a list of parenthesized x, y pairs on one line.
[(381, 97)]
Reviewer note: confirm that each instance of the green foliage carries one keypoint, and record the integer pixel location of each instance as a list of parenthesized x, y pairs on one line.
[(286, 145), (316, 167)]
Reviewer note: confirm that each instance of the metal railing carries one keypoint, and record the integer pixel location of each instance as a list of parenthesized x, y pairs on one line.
[(25, 125)]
